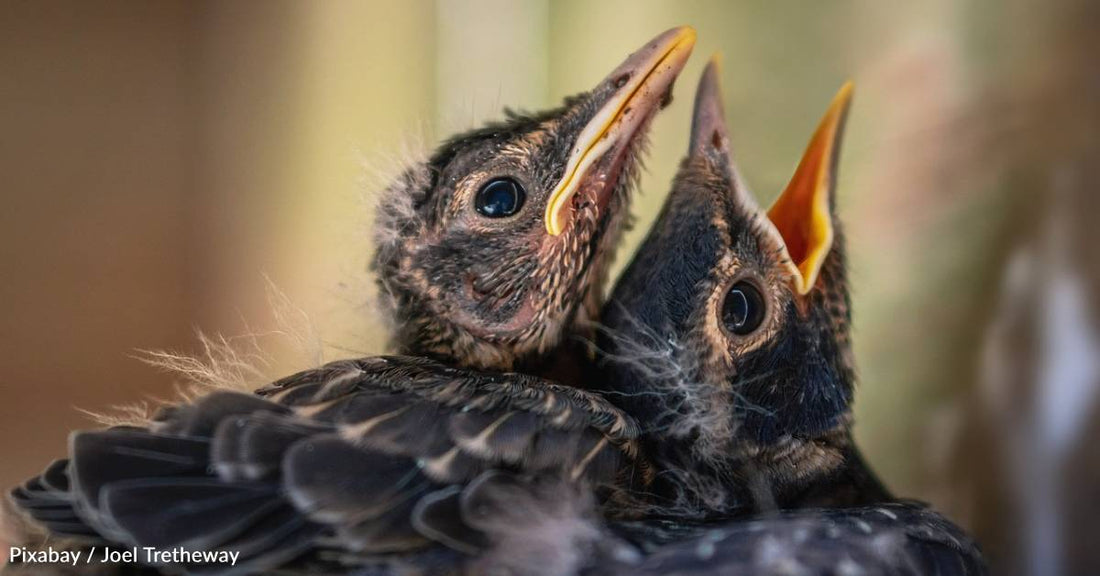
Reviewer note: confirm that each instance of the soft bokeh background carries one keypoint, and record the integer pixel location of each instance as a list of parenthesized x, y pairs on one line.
[(162, 163)]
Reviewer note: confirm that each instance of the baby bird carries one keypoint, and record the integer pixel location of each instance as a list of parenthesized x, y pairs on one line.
[(733, 327), (728, 339), (489, 253)]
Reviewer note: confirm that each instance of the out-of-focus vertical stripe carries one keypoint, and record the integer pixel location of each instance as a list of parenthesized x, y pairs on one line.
[(95, 212), (302, 106), (489, 54)]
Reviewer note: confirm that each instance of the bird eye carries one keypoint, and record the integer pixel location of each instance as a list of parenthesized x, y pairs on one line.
[(499, 198), (743, 309)]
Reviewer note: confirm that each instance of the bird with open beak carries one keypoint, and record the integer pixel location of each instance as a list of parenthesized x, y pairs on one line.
[(727, 339), (490, 252)]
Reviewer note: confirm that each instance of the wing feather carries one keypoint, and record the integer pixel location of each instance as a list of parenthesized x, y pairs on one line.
[(369, 456)]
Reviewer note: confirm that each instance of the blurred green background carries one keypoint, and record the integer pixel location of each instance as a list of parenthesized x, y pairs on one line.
[(159, 160)]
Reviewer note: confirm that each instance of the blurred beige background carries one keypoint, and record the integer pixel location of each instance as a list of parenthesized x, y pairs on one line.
[(159, 161)]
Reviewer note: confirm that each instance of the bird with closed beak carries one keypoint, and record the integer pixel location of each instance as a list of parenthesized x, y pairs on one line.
[(498, 248), (490, 254)]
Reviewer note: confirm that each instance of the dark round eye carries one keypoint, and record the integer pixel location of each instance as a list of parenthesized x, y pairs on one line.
[(743, 309), (499, 198)]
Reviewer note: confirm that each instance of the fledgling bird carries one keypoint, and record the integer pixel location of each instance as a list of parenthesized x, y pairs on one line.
[(499, 246), (490, 252), (736, 353), (727, 338)]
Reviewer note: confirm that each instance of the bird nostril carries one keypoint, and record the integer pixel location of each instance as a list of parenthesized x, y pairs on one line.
[(666, 99), (621, 80), (716, 140), (473, 287)]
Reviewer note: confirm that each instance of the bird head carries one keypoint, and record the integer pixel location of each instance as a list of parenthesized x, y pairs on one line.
[(496, 245), (732, 322)]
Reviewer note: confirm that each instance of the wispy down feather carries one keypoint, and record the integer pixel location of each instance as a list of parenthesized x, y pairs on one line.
[(240, 363)]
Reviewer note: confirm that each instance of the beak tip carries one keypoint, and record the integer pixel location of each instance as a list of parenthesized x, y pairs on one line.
[(687, 34), (715, 63), (708, 124), (709, 83), (843, 96), (679, 37)]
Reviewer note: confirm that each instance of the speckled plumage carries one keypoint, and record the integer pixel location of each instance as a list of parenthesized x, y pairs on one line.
[(388, 464), (488, 294), (504, 293), (890, 539)]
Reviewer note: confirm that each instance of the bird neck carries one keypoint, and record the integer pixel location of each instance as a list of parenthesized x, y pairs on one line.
[(560, 354), (852, 484), (570, 363), (826, 472)]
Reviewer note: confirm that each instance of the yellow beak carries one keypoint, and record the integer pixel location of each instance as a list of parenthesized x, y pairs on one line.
[(641, 83)]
